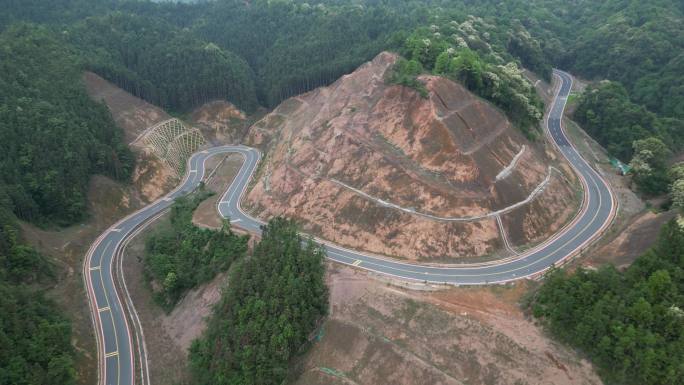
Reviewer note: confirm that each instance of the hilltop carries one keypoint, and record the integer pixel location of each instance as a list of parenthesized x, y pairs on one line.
[(355, 162)]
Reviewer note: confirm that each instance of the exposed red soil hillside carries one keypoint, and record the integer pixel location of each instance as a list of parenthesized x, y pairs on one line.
[(380, 334), (221, 122), (439, 155)]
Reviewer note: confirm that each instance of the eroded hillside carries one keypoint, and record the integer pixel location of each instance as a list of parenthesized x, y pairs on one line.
[(377, 167), (378, 333)]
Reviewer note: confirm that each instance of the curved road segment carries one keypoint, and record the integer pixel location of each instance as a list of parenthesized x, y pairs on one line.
[(115, 340)]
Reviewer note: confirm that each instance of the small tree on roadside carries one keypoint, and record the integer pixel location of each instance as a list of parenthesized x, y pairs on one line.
[(676, 172), (649, 165), (677, 193)]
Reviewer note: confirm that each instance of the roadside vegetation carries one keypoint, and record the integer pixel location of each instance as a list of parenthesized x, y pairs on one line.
[(182, 256), (676, 175), (630, 323), (632, 134), (35, 336), (274, 301)]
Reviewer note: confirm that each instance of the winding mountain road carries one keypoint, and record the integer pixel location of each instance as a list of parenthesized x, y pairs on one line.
[(114, 318)]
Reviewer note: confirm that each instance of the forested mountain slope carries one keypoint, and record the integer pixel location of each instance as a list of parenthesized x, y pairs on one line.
[(36, 337), (639, 44), (160, 63), (53, 135), (260, 52), (298, 45), (294, 46), (51, 12)]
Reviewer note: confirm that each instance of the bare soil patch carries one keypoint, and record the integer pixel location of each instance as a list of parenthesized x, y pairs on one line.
[(130, 113), (632, 241), (382, 334), (221, 122)]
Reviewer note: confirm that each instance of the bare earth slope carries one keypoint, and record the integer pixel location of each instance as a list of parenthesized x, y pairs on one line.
[(221, 122), (130, 113), (380, 334), (334, 154), (151, 177)]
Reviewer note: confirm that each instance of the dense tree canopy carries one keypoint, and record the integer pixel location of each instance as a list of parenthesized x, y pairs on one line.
[(35, 337), (182, 256), (630, 323), (608, 115), (638, 43), (161, 63), (649, 165), (53, 135), (273, 302), (50, 12), (295, 45), (472, 53), (623, 127)]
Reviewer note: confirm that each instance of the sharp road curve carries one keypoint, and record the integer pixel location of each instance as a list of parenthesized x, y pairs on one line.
[(122, 361)]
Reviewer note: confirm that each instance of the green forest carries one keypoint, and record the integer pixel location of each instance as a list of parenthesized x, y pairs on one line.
[(473, 53), (53, 135), (630, 323), (35, 337), (161, 63), (632, 133), (273, 302), (182, 256), (179, 55), (258, 53)]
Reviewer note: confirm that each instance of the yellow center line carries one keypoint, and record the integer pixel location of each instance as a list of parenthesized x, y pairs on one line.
[(111, 317)]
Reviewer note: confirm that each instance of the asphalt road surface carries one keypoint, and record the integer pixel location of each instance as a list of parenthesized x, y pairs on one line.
[(113, 328)]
